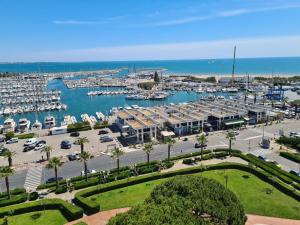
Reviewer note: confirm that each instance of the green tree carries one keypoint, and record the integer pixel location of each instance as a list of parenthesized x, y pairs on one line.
[(9, 135), (85, 157), (117, 153), (48, 149), (156, 77), (5, 172), (230, 136), (9, 155), (82, 141), (202, 140), (54, 163), (148, 148), (170, 142)]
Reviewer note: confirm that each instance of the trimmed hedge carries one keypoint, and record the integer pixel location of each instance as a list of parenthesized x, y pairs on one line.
[(292, 142), (188, 161), (61, 189), (291, 156), (90, 207), (15, 191), (15, 199), (187, 155), (70, 212), (33, 196), (25, 136), (81, 126)]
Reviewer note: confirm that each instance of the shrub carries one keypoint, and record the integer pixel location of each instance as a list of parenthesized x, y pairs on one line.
[(291, 156), (15, 199), (33, 196), (292, 142), (154, 162), (167, 164), (15, 191), (61, 189), (50, 184), (80, 126), (188, 161), (115, 170), (145, 169), (25, 136), (188, 155), (71, 212), (177, 202)]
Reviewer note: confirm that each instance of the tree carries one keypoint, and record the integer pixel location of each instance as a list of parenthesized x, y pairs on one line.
[(54, 163), (284, 101), (230, 136), (9, 155), (202, 140), (170, 142), (117, 153), (156, 77), (82, 141), (148, 149), (48, 149), (85, 157), (186, 200), (9, 135), (5, 172)]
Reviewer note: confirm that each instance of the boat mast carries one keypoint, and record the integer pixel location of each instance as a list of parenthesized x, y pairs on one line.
[(233, 66)]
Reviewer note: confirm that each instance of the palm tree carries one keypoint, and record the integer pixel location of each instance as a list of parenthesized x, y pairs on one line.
[(85, 157), (9, 155), (148, 149), (48, 149), (117, 153), (170, 142), (230, 136), (202, 140), (5, 172), (284, 101), (82, 141), (54, 163)]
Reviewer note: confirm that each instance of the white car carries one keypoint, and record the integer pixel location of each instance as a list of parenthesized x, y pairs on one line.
[(89, 171), (30, 141), (39, 146)]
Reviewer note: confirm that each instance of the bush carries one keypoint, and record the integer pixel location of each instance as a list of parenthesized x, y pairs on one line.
[(71, 212), (177, 202), (101, 125), (188, 155), (291, 156), (292, 142), (61, 189), (221, 154), (15, 199), (167, 164), (80, 126), (15, 191), (154, 162), (33, 196), (188, 161), (115, 170), (25, 136), (145, 169), (9, 135), (50, 184)]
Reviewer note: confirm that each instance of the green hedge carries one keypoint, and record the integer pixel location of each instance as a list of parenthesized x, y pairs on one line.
[(91, 207), (187, 155), (15, 191), (291, 156), (15, 199), (71, 212), (33, 196), (188, 161), (292, 142), (81, 126), (25, 136)]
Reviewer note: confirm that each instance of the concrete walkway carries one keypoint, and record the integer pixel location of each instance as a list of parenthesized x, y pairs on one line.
[(264, 220)]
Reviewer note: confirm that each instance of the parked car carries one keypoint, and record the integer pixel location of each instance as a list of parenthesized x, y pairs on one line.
[(276, 164), (65, 144), (12, 140), (74, 156), (53, 179), (75, 134), (31, 141), (2, 139), (103, 132), (29, 148), (2, 150), (198, 145), (295, 173), (89, 171), (185, 139), (40, 146), (41, 142), (294, 134), (235, 132), (262, 157), (106, 138)]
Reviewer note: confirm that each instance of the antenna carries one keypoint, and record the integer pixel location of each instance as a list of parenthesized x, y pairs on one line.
[(233, 66)]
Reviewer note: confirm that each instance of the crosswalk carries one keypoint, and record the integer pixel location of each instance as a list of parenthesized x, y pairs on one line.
[(33, 178), (261, 151)]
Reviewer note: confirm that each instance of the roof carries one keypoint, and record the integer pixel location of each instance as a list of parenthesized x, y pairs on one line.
[(167, 133)]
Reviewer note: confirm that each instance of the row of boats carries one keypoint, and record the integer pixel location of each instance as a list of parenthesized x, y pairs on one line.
[(24, 125), (117, 92)]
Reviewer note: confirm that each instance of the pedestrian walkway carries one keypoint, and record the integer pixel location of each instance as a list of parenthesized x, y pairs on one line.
[(261, 151), (33, 178)]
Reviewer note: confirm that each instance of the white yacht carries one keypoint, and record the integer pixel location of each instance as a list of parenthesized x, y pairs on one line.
[(37, 125), (9, 125), (24, 125), (49, 122), (100, 116)]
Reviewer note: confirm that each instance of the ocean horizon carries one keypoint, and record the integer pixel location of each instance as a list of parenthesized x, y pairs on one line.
[(215, 67)]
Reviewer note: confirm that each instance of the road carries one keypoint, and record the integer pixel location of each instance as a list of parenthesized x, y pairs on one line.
[(247, 141)]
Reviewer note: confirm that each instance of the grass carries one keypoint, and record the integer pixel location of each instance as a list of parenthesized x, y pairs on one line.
[(49, 217), (257, 196)]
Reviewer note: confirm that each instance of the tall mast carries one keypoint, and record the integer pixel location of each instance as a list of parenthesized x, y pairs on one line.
[(233, 66)]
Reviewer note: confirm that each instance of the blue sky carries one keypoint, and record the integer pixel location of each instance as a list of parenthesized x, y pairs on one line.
[(91, 30)]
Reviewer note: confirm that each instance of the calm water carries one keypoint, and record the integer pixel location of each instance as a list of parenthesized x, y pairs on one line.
[(78, 102), (217, 66)]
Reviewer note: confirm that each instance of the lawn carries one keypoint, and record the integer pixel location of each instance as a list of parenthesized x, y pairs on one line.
[(49, 217), (257, 196)]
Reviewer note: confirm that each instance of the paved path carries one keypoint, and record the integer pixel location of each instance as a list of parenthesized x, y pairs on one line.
[(33, 178), (264, 220), (100, 218)]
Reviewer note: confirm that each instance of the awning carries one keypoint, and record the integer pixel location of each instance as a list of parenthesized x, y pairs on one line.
[(167, 133), (234, 122)]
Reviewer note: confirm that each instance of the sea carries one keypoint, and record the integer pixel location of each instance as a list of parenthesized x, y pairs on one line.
[(78, 102)]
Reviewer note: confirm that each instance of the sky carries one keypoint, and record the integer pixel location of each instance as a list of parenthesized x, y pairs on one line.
[(98, 30)]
